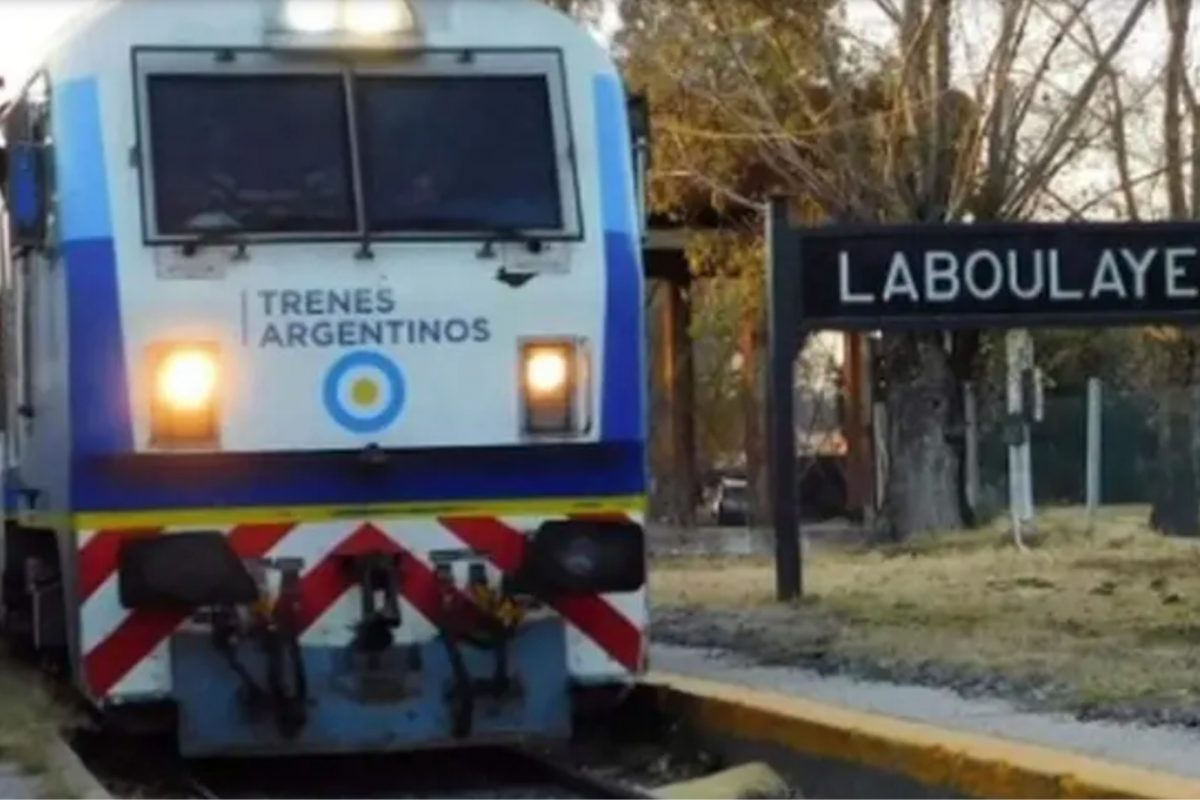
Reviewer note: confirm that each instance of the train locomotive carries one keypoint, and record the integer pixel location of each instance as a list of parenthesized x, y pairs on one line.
[(324, 371)]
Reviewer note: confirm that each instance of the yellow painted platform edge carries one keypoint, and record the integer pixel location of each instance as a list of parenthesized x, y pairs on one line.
[(90, 521), (978, 765)]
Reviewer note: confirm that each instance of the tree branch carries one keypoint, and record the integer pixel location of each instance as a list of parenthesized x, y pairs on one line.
[(890, 10), (1178, 12), (1033, 177)]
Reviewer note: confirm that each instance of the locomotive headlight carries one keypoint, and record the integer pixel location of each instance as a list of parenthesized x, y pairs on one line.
[(554, 382), (341, 23), (547, 370), (311, 16), (373, 17), (187, 380), (183, 404)]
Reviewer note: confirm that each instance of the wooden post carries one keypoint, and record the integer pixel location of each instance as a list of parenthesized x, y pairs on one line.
[(858, 480), (679, 384), (783, 344)]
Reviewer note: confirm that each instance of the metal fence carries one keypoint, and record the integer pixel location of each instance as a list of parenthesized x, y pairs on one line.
[(1132, 455)]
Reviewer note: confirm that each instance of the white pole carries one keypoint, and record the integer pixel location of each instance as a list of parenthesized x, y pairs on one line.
[(1027, 479), (1094, 412), (1019, 355)]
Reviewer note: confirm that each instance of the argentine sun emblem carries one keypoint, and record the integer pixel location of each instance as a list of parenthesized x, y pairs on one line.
[(364, 391)]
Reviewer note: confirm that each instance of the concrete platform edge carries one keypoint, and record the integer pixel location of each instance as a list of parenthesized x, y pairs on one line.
[(974, 764), (74, 775)]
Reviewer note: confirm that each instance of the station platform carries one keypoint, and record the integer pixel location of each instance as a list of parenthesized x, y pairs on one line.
[(838, 737)]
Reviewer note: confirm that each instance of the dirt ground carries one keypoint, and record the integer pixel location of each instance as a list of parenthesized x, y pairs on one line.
[(1104, 623), (30, 720)]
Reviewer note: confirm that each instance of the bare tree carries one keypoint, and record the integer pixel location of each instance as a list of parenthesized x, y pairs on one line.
[(991, 151), (1152, 180), (943, 118)]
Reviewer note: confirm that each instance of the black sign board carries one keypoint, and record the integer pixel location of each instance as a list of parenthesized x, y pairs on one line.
[(992, 275), (943, 276)]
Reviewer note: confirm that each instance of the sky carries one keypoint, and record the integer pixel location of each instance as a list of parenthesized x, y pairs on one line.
[(25, 28), (27, 25)]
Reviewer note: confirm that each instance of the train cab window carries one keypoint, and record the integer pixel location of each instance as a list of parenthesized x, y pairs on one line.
[(453, 154), (251, 154)]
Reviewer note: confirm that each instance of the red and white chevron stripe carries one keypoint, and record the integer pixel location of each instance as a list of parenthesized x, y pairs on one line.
[(126, 654)]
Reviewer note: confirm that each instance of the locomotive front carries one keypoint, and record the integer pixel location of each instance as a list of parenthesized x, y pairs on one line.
[(355, 384)]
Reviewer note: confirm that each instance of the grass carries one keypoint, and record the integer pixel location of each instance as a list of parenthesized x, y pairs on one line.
[(30, 718), (1114, 614)]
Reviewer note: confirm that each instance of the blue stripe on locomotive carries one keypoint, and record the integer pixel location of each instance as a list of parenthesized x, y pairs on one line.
[(100, 406), (100, 413), (124, 484), (624, 402)]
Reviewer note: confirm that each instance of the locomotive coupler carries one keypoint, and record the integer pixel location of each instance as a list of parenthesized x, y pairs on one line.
[(282, 642), (379, 591), (276, 629), (228, 630), (482, 617)]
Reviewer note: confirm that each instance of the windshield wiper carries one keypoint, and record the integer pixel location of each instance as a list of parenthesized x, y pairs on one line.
[(212, 228), (515, 235), (214, 238), (507, 234), (503, 274)]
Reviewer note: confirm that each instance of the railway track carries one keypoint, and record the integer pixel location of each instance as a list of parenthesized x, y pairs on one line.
[(582, 782), (136, 767)]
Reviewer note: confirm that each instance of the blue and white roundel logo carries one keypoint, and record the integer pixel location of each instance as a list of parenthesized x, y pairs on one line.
[(364, 391)]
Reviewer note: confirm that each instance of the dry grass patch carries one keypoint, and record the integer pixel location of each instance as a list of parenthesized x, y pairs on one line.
[(30, 719), (1114, 613)]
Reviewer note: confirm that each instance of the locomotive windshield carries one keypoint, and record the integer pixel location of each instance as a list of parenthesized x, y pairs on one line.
[(425, 154), (457, 153), (262, 154)]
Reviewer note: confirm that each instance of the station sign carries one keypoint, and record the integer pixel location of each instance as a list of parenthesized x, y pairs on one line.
[(941, 276), (990, 275)]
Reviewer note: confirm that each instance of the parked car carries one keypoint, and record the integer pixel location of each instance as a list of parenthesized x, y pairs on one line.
[(731, 503)]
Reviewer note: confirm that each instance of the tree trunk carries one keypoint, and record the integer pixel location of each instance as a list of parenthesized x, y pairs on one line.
[(924, 487), (1176, 510), (1192, 399), (963, 358), (924, 493), (1178, 12)]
